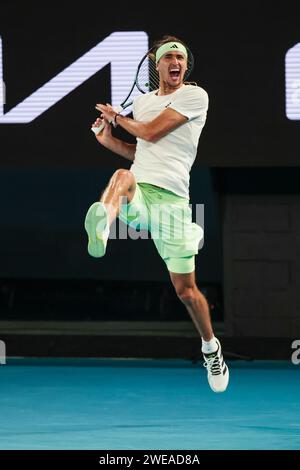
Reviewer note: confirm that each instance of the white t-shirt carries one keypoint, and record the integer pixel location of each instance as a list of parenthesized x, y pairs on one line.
[(167, 162)]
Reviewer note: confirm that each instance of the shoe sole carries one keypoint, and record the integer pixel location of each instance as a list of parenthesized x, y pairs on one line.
[(94, 225)]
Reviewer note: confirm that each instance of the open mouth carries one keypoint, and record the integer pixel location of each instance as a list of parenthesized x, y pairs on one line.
[(174, 73)]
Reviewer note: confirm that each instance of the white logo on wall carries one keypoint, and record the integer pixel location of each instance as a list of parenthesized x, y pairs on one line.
[(292, 82), (123, 50), (2, 352)]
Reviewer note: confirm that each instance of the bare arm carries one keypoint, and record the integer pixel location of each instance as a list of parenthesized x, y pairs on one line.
[(153, 130), (117, 146)]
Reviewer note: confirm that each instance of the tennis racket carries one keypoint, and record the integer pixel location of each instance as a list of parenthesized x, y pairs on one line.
[(146, 80)]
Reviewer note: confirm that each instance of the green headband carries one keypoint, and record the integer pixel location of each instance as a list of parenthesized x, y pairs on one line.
[(170, 47)]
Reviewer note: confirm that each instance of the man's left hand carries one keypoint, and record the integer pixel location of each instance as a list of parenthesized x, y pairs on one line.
[(107, 112)]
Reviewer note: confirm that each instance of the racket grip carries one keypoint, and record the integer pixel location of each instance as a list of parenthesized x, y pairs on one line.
[(97, 130)]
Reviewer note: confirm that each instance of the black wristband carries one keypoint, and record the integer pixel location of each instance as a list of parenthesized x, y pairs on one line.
[(115, 120)]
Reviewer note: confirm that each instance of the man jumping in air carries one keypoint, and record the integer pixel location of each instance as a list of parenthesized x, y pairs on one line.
[(167, 124)]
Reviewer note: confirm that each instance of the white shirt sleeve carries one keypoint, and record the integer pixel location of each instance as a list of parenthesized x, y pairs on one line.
[(192, 103)]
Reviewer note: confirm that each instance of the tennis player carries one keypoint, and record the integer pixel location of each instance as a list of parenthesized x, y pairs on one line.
[(167, 124)]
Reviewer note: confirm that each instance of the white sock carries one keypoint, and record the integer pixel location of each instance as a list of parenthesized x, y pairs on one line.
[(209, 346)]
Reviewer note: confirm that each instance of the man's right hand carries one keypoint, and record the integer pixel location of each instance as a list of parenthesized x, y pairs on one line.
[(104, 136), (117, 146)]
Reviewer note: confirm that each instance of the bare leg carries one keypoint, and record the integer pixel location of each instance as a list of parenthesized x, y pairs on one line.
[(122, 183), (195, 302)]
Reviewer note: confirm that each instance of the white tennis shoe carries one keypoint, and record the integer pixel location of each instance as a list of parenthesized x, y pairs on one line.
[(217, 370)]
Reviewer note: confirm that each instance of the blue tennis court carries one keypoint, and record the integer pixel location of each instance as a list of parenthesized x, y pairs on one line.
[(146, 404)]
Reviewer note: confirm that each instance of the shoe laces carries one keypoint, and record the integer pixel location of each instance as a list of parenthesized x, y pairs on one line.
[(213, 363)]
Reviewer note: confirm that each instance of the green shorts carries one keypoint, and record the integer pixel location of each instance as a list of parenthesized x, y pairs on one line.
[(168, 218)]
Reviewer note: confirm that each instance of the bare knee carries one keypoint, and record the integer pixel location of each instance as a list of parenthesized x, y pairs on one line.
[(122, 175), (187, 294), (122, 179)]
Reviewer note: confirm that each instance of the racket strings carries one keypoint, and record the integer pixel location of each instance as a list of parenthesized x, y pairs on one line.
[(147, 78)]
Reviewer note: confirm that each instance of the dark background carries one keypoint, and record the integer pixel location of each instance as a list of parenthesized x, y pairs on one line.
[(239, 51), (52, 169)]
